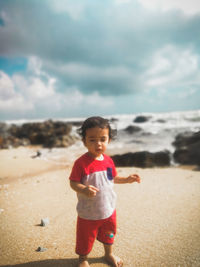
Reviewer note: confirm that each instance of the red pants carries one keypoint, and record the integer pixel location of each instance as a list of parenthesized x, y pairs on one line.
[(89, 230)]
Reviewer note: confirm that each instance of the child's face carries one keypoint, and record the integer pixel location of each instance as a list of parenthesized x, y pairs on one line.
[(96, 141)]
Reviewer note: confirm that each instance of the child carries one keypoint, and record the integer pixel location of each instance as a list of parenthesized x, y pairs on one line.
[(92, 177)]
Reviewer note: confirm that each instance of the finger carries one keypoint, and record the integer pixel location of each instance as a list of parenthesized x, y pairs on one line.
[(133, 176), (93, 188)]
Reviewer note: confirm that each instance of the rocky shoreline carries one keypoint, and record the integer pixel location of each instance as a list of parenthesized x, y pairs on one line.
[(48, 134), (51, 134), (187, 152)]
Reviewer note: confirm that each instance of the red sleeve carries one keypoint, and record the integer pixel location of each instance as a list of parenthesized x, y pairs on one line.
[(77, 172)]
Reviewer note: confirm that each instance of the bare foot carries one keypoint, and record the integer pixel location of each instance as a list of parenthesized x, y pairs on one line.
[(83, 263), (114, 260)]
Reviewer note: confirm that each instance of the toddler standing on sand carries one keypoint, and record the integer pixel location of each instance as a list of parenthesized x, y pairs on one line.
[(92, 177)]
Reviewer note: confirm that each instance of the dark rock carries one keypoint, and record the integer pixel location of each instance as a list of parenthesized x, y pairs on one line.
[(11, 141), (41, 249), (4, 134), (140, 119), (38, 154), (143, 159), (3, 129), (187, 148), (113, 119), (146, 134), (162, 158), (76, 123), (59, 141), (161, 121), (132, 129), (1, 141), (37, 132), (48, 134), (185, 139)]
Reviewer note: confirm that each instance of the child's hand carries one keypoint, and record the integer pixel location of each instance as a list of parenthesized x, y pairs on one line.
[(90, 191), (133, 178)]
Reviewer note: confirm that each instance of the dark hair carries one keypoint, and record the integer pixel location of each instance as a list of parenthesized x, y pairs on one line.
[(93, 122)]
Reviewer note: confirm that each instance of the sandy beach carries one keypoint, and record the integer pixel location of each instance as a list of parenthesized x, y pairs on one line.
[(158, 220)]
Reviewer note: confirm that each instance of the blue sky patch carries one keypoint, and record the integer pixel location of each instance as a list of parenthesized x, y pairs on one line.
[(1, 22), (13, 65)]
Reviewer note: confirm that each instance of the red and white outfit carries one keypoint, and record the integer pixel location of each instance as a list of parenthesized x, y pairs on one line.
[(96, 215)]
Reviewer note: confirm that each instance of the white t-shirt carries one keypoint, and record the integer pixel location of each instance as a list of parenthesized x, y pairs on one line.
[(99, 173)]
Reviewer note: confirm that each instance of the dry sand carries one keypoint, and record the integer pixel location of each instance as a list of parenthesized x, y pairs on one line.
[(158, 220)]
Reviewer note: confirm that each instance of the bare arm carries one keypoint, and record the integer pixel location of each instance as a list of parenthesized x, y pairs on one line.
[(130, 179), (89, 191)]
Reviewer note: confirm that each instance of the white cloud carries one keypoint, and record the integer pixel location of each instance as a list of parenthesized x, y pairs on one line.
[(34, 88), (78, 100), (29, 91), (6, 87), (35, 66), (119, 2), (35, 91), (73, 8), (95, 100), (173, 67), (190, 7), (11, 100), (35, 84)]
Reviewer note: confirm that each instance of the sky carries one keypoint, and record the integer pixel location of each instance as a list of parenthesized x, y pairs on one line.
[(79, 58)]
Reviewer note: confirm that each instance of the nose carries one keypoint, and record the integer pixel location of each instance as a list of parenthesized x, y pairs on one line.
[(98, 143)]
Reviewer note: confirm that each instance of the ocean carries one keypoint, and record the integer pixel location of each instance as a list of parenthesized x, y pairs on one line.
[(157, 133)]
